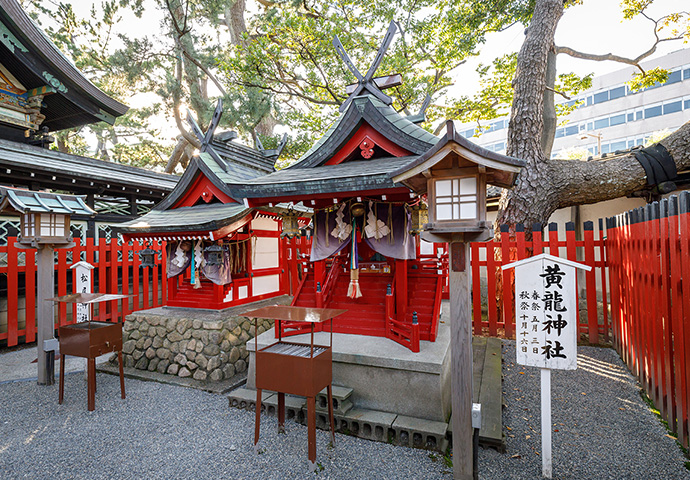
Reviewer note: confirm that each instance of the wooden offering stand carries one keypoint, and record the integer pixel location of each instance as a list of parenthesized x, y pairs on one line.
[(294, 368), (90, 340)]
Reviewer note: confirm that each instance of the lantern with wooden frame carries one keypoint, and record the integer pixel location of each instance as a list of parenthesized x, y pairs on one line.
[(454, 175), (290, 224), (147, 257), (44, 217)]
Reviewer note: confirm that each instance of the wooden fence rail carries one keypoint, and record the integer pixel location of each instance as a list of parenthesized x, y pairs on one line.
[(117, 270), (649, 264), (497, 315)]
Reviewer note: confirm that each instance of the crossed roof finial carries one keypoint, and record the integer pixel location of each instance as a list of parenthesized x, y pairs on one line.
[(368, 82)]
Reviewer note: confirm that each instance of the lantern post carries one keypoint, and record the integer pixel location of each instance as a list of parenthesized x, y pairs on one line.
[(45, 225), (454, 174)]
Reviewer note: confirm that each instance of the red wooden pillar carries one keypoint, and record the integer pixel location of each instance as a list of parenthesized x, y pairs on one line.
[(679, 325), (401, 289)]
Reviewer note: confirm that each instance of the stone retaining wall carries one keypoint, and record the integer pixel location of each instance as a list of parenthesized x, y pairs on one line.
[(202, 349)]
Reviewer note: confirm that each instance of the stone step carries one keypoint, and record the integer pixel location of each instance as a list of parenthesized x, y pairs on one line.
[(420, 433), (341, 402), (358, 422)]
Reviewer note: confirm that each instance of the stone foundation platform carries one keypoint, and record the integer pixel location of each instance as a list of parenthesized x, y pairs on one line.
[(206, 345)]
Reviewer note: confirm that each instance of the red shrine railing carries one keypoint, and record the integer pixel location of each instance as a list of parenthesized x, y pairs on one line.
[(117, 270), (493, 305)]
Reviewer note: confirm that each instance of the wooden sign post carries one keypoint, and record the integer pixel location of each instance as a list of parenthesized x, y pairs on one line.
[(82, 284), (546, 317)]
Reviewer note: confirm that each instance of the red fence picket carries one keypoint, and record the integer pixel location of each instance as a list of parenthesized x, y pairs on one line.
[(113, 273), (488, 257), (649, 266)]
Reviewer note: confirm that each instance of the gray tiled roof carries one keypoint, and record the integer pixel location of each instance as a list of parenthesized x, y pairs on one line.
[(27, 201), (348, 176), (19, 155), (198, 217)]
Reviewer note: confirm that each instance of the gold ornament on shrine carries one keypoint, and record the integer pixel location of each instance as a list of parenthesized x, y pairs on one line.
[(420, 217), (290, 224)]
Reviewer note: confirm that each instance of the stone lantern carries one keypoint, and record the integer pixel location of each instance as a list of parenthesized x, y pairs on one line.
[(454, 174), (45, 225)]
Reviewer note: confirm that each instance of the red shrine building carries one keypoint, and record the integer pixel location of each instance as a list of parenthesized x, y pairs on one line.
[(365, 251), (219, 253)]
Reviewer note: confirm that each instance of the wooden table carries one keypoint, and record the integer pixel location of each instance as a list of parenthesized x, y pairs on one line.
[(90, 340), (297, 369)]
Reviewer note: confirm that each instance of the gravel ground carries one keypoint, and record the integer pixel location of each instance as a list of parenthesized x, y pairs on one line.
[(604, 430)]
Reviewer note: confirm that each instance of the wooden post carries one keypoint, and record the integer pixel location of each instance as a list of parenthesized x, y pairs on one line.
[(461, 360), (46, 314), (546, 459)]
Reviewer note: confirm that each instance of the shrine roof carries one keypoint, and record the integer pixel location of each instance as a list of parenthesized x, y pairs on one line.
[(237, 173), (383, 118), (21, 162), (28, 201), (244, 157), (344, 177), (186, 219), (36, 62)]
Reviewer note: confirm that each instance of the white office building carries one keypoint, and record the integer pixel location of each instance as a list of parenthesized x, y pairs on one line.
[(611, 115)]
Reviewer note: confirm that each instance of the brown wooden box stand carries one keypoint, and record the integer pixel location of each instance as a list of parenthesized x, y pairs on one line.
[(293, 368), (90, 340)]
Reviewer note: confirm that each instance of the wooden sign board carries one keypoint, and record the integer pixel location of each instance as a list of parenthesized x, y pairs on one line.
[(546, 312)]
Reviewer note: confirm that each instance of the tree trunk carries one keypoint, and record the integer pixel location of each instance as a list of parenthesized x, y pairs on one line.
[(544, 185)]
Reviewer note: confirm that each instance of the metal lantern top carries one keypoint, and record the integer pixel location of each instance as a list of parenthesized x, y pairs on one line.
[(147, 257), (45, 217), (214, 254)]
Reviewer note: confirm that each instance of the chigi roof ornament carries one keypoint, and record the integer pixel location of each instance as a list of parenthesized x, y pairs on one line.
[(368, 82)]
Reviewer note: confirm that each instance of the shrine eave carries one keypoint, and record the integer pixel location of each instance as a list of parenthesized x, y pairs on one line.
[(354, 176), (199, 218), (22, 164), (381, 117), (36, 62)]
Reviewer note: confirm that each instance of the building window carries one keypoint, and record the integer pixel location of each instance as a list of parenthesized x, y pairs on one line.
[(589, 101), (571, 130), (631, 117), (673, 107), (651, 112), (673, 77), (686, 104), (617, 92), (617, 119), (686, 73), (601, 97), (618, 146), (601, 123)]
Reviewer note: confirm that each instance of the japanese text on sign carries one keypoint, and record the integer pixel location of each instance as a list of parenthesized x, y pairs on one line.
[(546, 312)]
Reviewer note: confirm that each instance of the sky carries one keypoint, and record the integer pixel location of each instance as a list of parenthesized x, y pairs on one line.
[(595, 27)]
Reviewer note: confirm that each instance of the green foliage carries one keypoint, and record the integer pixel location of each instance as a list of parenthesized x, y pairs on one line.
[(648, 79)]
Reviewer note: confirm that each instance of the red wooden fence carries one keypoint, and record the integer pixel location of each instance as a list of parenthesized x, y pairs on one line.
[(117, 270), (649, 263), (488, 257)]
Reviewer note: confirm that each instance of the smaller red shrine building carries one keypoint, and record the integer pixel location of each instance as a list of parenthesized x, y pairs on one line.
[(219, 252)]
